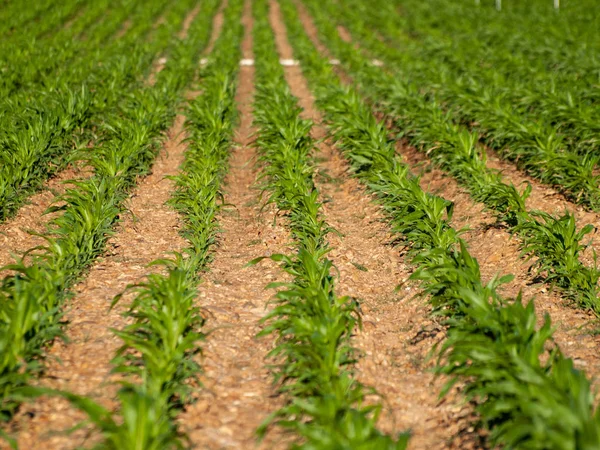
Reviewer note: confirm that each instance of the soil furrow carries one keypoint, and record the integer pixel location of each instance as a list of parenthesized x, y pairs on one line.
[(237, 394), (160, 63), (14, 236), (394, 361), (216, 28), (548, 199), (82, 365), (187, 22)]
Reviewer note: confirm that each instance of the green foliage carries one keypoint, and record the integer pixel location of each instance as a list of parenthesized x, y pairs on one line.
[(32, 299)]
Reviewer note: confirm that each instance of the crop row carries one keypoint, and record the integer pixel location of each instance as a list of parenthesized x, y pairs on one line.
[(555, 241), (35, 20), (526, 392), (313, 326), (32, 299), (40, 135), (552, 140), (162, 340)]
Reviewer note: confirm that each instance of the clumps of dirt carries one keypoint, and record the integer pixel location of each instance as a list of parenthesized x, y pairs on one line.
[(498, 253), (397, 332)]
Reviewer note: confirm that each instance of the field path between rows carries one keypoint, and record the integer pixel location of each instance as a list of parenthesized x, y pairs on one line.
[(15, 238), (237, 394), (498, 253)]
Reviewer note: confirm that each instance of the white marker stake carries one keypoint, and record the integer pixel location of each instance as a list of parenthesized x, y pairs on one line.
[(246, 62), (203, 61), (556, 4), (288, 62), (334, 62)]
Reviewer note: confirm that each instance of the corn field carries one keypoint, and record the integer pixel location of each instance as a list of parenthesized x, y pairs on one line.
[(303, 224)]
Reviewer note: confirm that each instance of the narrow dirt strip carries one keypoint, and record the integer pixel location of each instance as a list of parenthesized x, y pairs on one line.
[(160, 63), (394, 362), (497, 253), (82, 365), (237, 394), (14, 236)]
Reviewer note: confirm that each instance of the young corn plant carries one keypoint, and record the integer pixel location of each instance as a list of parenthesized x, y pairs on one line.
[(39, 136), (313, 326), (526, 392), (476, 96)]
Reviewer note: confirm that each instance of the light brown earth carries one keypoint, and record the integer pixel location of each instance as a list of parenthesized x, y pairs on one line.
[(498, 253), (15, 238)]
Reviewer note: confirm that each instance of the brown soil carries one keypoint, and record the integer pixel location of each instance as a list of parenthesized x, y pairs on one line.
[(344, 33), (313, 34), (160, 63), (124, 28), (547, 199), (82, 366), (216, 28), (498, 253), (187, 22), (15, 238), (394, 362), (237, 394)]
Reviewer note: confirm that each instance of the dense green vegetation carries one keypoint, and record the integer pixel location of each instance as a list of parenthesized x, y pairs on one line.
[(555, 240), (97, 85), (32, 298)]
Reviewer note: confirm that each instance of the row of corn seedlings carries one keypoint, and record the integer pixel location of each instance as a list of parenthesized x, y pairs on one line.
[(526, 392), (32, 299), (162, 341), (537, 144), (38, 136), (313, 326), (35, 19), (555, 242), (44, 56), (550, 74)]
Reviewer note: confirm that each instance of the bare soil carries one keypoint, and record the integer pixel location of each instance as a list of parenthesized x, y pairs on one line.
[(497, 253), (15, 236)]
